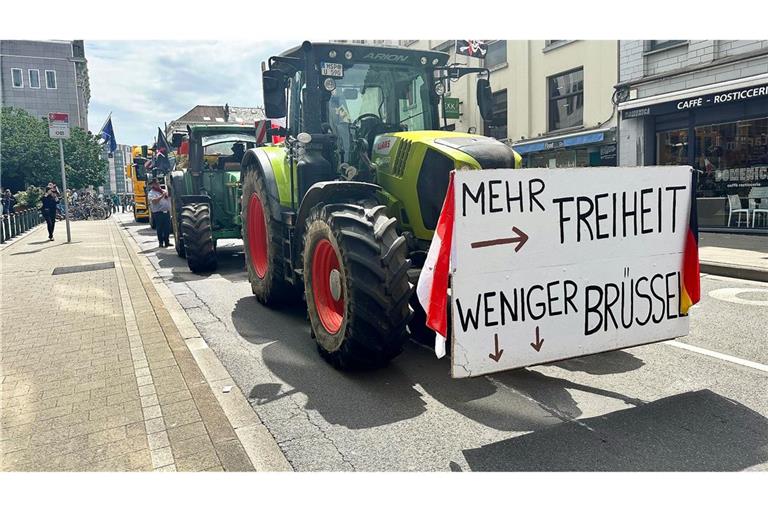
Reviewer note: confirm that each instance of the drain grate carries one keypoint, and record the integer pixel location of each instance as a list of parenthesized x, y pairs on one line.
[(83, 268)]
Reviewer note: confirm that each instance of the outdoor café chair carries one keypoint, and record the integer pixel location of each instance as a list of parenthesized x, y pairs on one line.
[(734, 206)]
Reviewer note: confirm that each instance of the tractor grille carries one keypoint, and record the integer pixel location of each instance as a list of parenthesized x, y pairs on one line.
[(432, 185), (403, 149)]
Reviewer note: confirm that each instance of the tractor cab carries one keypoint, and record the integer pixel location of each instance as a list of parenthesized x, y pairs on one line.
[(347, 96), (218, 147)]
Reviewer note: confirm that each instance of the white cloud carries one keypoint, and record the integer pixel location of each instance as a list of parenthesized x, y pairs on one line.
[(148, 83)]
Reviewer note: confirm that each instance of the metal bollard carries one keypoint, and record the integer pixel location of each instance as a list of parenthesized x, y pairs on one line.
[(2, 229), (23, 221)]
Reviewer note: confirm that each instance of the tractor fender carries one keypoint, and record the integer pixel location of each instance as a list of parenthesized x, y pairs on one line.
[(260, 158), (328, 192), (190, 199)]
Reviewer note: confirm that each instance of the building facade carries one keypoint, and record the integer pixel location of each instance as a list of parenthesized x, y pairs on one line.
[(46, 76), (702, 103), (552, 98), (115, 180)]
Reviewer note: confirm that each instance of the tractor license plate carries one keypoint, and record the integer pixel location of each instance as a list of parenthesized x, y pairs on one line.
[(332, 69)]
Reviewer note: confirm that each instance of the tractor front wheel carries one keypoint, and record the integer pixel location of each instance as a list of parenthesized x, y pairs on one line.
[(197, 232), (356, 285)]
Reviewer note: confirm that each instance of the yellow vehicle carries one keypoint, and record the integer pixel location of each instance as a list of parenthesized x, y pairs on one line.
[(138, 175)]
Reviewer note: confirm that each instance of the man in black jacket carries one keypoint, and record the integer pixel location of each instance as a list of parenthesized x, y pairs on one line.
[(50, 204)]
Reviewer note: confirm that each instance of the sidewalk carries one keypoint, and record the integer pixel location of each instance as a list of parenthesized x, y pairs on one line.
[(731, 255), (94, 374)]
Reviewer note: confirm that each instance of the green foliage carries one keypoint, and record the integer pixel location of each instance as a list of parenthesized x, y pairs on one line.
[(30, 198), (26, 151)]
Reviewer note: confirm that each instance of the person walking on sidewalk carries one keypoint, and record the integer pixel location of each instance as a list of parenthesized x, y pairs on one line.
[(160, 205), (50, 205)]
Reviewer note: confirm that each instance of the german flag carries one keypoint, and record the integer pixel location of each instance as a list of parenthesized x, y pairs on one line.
[(691, 286)]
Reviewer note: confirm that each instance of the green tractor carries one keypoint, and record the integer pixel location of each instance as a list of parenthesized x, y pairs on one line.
[(205, 191), (346, 207)]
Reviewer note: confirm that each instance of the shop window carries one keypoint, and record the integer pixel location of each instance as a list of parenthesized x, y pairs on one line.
[(672, 147), (566, 100), (17, 79), (497, 126), (497, 54), (732, 156)]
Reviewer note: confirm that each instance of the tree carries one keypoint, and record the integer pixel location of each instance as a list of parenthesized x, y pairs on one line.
[(29, 156)]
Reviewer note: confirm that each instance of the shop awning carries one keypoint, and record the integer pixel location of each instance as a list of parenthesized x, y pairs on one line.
[(565, 141)]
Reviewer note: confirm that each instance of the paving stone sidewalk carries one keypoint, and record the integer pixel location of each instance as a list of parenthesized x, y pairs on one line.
[(94, 375)]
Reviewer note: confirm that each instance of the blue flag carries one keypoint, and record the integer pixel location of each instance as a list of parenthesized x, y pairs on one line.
[(108, 135)]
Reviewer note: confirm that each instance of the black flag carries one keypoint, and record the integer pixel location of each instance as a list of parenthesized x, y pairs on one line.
[(472, 48)]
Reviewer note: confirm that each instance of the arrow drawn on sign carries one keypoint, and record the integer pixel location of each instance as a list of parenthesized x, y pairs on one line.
[(520, 240), (539, 341), (496, 355)]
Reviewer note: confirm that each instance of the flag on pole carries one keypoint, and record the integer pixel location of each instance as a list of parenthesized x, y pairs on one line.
[(432, 288), (162, 142), (108, 135), (691, 288)]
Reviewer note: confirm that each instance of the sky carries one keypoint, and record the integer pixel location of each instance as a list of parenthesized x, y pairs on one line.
[(148, 83)]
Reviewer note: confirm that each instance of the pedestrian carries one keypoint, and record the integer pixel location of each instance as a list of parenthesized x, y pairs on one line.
[(74, 197), (8, 202), (160, 205), (115, 203), (50, 205)]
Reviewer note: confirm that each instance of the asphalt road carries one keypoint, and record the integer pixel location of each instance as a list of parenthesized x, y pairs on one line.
[(658, 407)]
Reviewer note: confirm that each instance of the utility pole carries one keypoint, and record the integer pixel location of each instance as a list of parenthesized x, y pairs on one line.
[(64, 185), (58, 128)]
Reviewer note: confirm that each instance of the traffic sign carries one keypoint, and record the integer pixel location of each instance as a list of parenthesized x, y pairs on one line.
[(451, 108), (552, 264), (58, 125)]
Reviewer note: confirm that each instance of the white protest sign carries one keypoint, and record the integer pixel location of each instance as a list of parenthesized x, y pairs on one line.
[(550, 264)]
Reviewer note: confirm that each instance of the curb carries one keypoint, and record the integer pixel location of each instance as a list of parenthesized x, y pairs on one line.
[(735, 271), (258, 443), (18, 238)]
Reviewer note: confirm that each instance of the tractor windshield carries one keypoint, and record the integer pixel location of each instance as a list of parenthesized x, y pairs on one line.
[(370, 99)]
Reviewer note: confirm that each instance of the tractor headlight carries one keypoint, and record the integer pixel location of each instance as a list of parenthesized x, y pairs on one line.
[(439, 88), (348, 55), (423, 61), (332, 54), (304, 138), (434, 62), (329, 84)]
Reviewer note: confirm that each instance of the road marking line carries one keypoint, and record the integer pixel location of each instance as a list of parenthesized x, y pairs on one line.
[(718, 355)]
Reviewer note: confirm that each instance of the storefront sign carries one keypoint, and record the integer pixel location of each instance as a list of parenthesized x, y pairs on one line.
[(554, 264), (565, 142), (451, 108), (707, 100)]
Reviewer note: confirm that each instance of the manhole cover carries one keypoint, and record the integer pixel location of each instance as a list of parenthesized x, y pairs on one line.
[(83, 268), (750, 296)]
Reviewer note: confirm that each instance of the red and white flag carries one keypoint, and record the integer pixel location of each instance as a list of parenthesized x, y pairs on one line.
[(432, 288), (261, 131)]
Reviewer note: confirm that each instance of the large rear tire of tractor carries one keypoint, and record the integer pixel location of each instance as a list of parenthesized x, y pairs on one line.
[(196, 229), (262, 239), (356, 285), (177, 189)]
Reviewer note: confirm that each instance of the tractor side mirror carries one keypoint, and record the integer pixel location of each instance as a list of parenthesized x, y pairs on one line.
[(485, 99), (273, 83)]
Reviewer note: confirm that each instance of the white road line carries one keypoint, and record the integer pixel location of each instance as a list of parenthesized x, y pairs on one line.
[(718, 355)]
